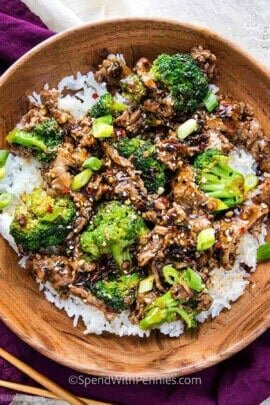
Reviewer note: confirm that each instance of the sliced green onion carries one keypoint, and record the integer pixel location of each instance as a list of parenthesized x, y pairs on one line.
[(3, 157), (221, 206), (5, 199), (187, 128), (101, 130), (170, 274), (251, 181), (193, 280), (102, 127), (2, 172), (263, 252), (52, 216), (206, 239), (106, 119), (210, 101), (93, 163), (81, 179), (146, 285)]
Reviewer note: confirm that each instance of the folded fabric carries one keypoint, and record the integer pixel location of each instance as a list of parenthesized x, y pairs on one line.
[(62, 14), (20, 30)]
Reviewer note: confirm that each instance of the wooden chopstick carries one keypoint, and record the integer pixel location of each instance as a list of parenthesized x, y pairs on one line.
[(28, 389), (41, 379)]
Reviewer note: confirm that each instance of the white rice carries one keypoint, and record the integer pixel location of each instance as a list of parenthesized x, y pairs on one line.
[(85, 86), (226, 287), (242, 161), (93, 319), (24, 175)]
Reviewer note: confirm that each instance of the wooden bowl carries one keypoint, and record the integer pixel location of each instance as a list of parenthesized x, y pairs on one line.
[(24, 309)]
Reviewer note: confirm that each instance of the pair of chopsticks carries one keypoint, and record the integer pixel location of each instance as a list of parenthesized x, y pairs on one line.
[(54, 390)]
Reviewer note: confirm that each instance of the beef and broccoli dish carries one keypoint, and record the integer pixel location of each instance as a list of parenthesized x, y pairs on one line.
[(138, 196)]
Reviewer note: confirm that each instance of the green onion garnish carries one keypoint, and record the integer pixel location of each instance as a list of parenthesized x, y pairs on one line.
[(187, 128), (101, 130), (81, 179), (263, 252), (210, 101), (106, 119), (206, 239), (170, 274), (146, 285), (193, 280), (51, 217), (5, 199), (102, 127), (93, 163), (251, 181), (3, 157), (2, 172)]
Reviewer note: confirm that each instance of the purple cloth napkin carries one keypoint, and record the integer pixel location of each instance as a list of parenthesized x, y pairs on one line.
[(243, 379)]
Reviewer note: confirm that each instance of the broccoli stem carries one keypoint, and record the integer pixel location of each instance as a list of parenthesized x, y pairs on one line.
[(120, 255), (26, 139), (119, 107), (187, 318)]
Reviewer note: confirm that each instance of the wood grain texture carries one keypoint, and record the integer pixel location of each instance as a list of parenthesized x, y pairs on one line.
[(24, 309)]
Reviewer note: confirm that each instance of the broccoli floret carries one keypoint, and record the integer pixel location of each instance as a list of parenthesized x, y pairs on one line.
[(133, 88), (184, 79), (128, 146), (41, 220), (217, 179), (114, 229), (107, 105), (119, 294), (167, 309), (44, 138), (144, 158), (206, 158)]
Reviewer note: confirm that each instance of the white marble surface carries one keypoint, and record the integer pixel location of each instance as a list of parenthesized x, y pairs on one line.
[(246, 22)]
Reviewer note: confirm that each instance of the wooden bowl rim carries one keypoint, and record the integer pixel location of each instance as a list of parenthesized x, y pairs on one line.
[(227, 351)]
